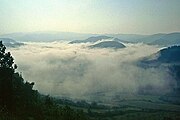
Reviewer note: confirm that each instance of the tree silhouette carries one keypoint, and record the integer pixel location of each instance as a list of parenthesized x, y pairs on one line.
[(18, 99), (7, 68)]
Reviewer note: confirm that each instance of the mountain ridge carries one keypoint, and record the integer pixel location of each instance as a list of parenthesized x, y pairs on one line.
[(108, 44), (161, 39), (11, 42)]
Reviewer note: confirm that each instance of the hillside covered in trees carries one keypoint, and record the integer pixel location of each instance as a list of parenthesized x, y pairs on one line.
[(18, 100)]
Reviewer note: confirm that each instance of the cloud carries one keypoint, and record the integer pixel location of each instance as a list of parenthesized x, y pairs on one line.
[(75, 71)]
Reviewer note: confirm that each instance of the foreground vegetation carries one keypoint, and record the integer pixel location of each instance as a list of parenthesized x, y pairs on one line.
[(18, 100)]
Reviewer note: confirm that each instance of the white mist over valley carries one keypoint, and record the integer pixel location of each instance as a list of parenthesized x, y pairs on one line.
[(79, 72)]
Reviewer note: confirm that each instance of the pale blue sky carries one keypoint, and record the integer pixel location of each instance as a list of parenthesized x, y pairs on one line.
[(90, 16)]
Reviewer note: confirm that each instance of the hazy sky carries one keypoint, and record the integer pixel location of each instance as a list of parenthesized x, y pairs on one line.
[(90, 16)]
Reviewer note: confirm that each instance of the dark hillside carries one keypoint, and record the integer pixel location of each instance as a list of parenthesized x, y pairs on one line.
[(18, 100)]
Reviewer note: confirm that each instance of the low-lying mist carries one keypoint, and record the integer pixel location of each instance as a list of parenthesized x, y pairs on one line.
[(75, 71)]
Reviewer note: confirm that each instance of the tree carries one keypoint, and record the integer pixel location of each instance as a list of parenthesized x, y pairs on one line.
[(18, 100), (7, 68)]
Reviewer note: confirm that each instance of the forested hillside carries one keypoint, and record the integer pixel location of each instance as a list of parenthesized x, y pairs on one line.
[(19, 101)]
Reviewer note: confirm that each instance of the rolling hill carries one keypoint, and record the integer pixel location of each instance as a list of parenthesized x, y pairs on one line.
[(167, 40), (161, 39), (91, 39), (167, 58), (108, 44), (10, 42)]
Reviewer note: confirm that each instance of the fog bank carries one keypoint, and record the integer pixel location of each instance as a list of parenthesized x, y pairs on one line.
[(75, 71)]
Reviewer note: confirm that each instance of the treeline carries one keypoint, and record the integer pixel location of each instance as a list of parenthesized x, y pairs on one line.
[(170, 54), (80, 104), (18, 100)]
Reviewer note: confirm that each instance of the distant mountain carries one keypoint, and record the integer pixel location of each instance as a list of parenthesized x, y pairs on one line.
[(96, 39), (49, 36), (161, 39), (10, 42), (149, 38), (103, 42), (108, 44), (128, 37), (167, 40), (91, 39), (46, 36)]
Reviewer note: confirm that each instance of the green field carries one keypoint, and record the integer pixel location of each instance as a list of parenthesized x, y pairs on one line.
[(133, 107)]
